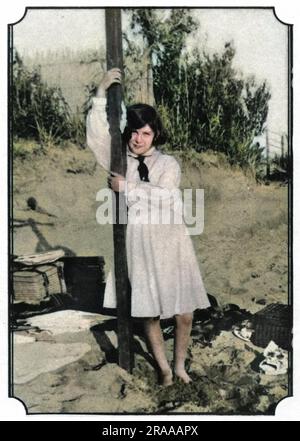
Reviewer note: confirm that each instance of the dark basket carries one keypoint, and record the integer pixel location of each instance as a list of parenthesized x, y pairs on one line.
[(84, 277), (274, 322)]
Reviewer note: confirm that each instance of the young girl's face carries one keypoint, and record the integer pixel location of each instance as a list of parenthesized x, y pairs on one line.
[(141, 140)]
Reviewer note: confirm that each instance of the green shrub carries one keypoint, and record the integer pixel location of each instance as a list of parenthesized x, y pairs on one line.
[(39, 112)]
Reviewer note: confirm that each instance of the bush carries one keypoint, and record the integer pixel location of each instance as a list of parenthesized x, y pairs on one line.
[(39, 112)]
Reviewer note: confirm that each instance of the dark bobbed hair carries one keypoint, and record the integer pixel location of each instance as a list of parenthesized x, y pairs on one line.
[(138, 115)]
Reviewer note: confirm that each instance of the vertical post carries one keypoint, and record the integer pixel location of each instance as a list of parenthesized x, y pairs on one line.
[(114, 58), (268, 154), (282, 151)]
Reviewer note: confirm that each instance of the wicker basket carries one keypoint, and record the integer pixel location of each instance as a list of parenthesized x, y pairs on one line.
[(34, 284), (274, 322)]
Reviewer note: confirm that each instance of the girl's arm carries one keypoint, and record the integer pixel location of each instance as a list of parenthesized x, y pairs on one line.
[(97, 128)]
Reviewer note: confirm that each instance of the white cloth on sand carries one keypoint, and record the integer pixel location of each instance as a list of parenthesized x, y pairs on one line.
[(162, 265)]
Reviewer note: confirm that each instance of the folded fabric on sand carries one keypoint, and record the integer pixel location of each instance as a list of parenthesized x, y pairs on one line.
[(40, 258), (275, 361)]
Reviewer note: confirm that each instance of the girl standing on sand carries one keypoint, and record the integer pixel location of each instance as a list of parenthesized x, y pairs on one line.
[(162, 266)]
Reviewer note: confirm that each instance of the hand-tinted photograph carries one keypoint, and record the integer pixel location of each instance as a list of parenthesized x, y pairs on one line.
[(150, 210)]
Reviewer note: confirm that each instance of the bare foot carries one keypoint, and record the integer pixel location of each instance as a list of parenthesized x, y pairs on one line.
[(182, 375), (166, 378)]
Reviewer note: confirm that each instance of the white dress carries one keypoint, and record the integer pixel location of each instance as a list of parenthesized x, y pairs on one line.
[(162, 266)]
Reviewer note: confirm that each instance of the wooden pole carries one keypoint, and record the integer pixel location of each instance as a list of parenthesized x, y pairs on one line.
[(282, 151), (114, 58)]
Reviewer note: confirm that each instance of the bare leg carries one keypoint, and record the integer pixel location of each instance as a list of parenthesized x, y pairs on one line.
[(156, 340), (182, 338)]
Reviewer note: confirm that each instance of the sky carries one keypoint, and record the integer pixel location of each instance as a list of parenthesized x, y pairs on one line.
[(259, 38)]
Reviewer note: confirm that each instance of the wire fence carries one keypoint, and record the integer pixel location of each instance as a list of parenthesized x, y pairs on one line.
[(279, 151)]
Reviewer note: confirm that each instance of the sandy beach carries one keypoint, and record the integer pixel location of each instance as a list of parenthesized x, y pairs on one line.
[(243, 256)]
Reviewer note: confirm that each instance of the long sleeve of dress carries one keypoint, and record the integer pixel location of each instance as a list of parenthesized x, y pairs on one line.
[(97, 132)]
